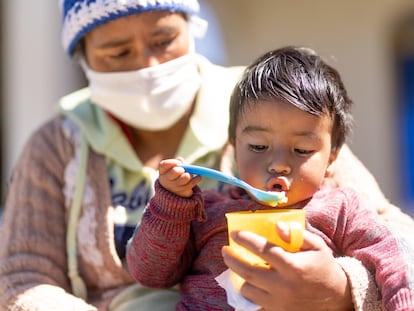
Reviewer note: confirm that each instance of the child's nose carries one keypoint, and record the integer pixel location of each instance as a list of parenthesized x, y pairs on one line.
[(279, 165)]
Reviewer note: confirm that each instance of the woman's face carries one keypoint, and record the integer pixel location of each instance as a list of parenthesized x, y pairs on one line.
[(137, 41)]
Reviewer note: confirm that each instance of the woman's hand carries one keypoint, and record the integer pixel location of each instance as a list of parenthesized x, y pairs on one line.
[(309, 279)]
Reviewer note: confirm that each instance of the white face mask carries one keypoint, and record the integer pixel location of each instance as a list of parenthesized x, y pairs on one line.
[(152, 98)]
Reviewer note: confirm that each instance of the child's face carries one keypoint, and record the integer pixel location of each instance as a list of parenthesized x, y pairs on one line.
[(279, 147)]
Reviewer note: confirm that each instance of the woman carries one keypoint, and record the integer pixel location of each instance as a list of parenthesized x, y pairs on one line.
[(84, 177)]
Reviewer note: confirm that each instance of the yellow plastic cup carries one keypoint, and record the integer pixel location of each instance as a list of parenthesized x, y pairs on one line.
[(263, 222)]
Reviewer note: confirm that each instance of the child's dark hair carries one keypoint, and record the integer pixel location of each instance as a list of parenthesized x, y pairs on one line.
[(298, 76)]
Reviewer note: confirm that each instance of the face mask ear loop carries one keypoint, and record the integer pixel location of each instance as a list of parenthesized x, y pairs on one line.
[(197, 29), (198, 26), (82, 62)]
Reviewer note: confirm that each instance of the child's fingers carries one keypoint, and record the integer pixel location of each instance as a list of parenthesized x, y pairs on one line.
[(166, 165)]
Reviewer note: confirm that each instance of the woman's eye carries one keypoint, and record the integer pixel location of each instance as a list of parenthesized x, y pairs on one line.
[(258, 148), (163, 44), (120, 54)]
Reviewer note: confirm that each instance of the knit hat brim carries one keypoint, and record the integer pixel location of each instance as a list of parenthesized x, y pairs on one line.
[(81, 16)]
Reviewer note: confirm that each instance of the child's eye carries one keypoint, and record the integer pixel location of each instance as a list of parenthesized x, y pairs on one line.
[(303, 151), (258, 148)]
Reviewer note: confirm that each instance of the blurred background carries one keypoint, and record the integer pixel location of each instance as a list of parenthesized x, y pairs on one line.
[(370, 42)]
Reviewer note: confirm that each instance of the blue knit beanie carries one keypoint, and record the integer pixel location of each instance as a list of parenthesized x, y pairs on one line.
[(81, 16)]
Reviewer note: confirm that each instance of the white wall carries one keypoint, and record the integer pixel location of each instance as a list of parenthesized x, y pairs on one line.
[(36, 72)]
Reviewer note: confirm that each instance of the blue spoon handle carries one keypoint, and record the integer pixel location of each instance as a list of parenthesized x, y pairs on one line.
[(210, 173), (267, 197)]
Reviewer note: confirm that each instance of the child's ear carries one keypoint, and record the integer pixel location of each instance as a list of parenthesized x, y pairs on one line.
[(227, 159), (233, 148), (331, 163)]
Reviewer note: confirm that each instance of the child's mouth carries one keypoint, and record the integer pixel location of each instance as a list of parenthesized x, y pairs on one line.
[(277, 187), (278, 184)]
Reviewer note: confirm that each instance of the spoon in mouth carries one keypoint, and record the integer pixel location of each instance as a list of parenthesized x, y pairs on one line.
[(270, 198)]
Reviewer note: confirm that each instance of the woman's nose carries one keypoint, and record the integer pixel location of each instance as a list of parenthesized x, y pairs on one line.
[(148, 59)]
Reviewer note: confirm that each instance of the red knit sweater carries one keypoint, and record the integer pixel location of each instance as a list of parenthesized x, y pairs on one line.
[(180, 240)]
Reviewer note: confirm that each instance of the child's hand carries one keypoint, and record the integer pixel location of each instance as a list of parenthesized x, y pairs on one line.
[(175, 179)]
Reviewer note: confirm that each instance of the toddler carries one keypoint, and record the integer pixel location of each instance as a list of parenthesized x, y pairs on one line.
[(289, 116)]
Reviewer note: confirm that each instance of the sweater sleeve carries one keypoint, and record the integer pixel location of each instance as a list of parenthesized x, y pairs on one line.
[(365, 293), (384, 252), (351, 172), (162, 248), (33, 248)]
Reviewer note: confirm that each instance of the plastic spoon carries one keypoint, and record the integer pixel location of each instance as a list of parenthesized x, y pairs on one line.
[(271, 198)]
